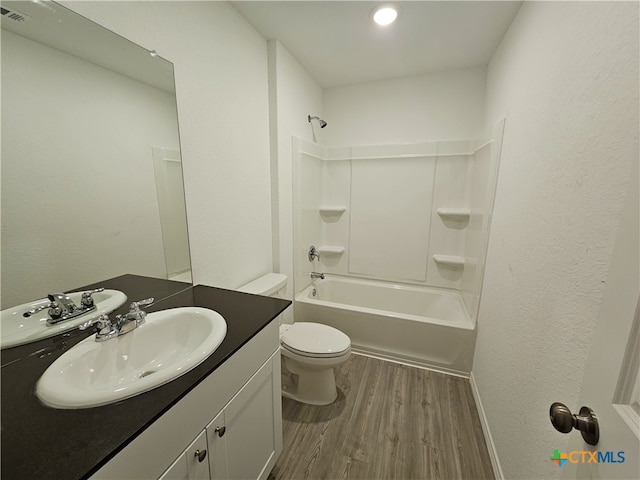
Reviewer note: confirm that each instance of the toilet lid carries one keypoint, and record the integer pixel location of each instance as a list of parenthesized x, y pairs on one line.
[(315, 339)]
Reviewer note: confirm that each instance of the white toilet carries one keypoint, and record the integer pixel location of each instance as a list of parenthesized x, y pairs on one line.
[(310, 351)]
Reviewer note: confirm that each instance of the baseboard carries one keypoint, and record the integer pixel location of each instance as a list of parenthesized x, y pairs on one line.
[(493, 454), (367, 352)]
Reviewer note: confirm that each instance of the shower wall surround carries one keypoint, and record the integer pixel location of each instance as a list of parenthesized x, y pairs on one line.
[(414, 214)]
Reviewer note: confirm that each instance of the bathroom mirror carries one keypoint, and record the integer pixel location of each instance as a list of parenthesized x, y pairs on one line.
[(91, 172)]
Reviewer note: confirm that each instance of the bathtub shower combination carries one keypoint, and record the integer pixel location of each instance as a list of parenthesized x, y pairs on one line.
[(401, 234), (411, 323)]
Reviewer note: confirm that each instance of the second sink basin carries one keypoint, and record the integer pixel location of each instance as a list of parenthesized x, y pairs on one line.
[(168, 345), (17, 329)]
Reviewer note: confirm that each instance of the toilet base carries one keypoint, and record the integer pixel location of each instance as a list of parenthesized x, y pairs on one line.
[(314, 387)]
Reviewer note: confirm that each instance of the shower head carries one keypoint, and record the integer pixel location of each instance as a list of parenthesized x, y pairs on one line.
[(320, 121)]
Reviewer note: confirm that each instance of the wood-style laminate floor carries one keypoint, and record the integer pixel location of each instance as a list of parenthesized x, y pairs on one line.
[(390, 421)]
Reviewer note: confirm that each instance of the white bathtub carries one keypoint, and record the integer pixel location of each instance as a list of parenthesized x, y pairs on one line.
[(413, 324)]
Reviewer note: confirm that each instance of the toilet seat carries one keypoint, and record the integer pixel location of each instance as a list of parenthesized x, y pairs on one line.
[(314, 340)]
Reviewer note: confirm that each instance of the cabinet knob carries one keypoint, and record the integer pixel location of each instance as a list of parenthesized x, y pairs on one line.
[(200, 455), (220, 430)]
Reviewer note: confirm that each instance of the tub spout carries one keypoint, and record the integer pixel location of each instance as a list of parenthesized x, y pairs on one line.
[(317, 275)]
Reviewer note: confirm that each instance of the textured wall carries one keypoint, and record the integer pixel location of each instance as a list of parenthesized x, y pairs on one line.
[(220, 66), (293, 95), (566, 78), (433, 106)]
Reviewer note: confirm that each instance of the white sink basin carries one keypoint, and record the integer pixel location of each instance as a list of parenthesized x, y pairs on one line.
[(169, 344), (16, 329)]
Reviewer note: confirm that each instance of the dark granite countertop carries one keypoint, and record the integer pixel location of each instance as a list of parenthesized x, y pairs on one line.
[(42, 442)]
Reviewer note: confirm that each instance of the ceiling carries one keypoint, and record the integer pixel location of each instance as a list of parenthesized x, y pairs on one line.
[(338, 43)]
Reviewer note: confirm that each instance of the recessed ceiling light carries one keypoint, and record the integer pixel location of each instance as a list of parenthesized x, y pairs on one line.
[(385, 14)]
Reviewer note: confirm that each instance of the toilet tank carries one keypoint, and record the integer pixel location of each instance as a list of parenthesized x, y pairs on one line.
[(270, 285)]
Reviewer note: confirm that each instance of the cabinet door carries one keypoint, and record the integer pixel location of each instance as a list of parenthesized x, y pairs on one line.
[(216, 441), (193, 464), (197, 458), (250, 432)]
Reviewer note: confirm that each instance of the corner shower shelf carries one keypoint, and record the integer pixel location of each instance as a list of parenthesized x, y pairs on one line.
[(332, 209), (449, 260), (454, 213), (331, 249)]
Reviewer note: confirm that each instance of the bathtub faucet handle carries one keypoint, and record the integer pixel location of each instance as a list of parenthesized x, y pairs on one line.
[(313, 253)]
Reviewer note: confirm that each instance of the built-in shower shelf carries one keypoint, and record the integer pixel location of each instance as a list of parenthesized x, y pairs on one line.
[(332, 209), (449, 260), (454, 213), (331, 250)]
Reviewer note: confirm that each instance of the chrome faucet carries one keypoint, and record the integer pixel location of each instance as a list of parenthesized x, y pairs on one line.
[(62, 308), (134, 318), (106, 329), (317, 275), (61, 305), (313, 253)]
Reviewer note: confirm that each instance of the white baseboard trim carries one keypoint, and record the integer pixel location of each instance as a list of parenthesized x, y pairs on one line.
[(493, 454), (368, 352)]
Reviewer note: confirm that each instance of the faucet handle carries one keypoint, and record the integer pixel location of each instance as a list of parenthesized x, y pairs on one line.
[(87, 300), (104, 327), (135, 313), (313, 253), (55, 311), (100, 322), (91, 292), (35, 310), (135, 306)]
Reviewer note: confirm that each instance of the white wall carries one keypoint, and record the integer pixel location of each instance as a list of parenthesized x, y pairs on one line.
[(220, 64), (433, 106), (566, 78), (293, 95), (307, 197), (482, 177), (66, 127)]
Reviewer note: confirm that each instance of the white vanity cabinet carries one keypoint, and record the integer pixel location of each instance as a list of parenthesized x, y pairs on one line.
[(241, 439), (240, 442), (235, 414)]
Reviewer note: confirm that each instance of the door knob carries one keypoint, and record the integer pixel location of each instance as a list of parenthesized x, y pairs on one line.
[(564, 421)]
